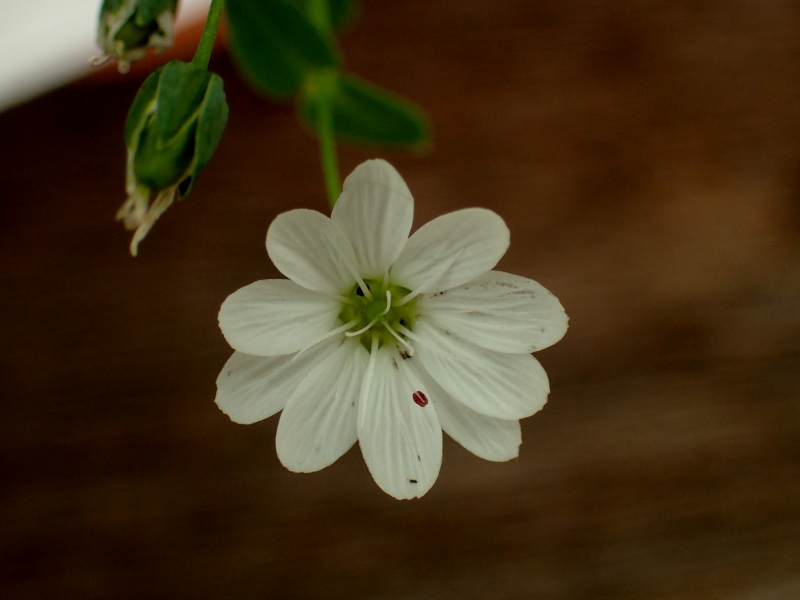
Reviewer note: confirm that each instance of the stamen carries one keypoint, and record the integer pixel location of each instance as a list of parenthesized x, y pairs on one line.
[(96, 61), (366, 387), (326, 336), (363, 286), (375, 320), (388, 303), (354, 274), (399, 339), (435, 275), (363, 329), (157, 208), (407, 332), (338, 297)]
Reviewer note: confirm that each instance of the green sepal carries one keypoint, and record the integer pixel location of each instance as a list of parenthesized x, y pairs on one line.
[(181, 89), (366, 113), (141, 108), (160, 163), (211, 124), (111, 5), (174, 125), (148, 10), (128, 28), (276, 46)]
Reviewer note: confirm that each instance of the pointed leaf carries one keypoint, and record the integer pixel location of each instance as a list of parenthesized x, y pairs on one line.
[(366, 113), (275, 45), (340, 12)]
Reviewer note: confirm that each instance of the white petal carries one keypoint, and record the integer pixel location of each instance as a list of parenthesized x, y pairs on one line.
[(252, 388), (311, 250), (400, 440), (451, 250), (489, 438), (375, 210), (318, 424), (276, 316), (506, 386), (499, 311)]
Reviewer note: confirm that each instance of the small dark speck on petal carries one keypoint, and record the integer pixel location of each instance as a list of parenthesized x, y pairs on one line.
[(412, 481)]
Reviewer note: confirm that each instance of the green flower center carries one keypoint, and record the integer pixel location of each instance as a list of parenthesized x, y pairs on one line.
[(379, 313)]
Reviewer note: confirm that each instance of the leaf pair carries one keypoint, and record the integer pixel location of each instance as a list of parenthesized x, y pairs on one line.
[(285, 48)]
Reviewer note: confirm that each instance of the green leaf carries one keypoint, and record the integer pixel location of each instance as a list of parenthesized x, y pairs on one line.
[(340, 12), (366, 113), (275, 45)]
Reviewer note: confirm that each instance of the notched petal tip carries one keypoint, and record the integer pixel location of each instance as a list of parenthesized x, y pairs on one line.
[(375, 211), (379, 172), (400, 441), (452, 249), (311, 250)]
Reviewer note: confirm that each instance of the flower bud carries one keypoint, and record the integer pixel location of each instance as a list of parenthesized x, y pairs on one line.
[(172, 130), (127, 29)]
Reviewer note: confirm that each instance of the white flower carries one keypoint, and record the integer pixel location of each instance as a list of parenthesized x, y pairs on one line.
[(388, 340)]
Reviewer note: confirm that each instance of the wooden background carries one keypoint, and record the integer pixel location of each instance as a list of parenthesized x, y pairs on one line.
[(645, 156)]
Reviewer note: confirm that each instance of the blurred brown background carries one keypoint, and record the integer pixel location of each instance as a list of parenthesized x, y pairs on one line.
[(645, 156)]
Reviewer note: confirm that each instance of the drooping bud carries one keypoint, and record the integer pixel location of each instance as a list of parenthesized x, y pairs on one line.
[(127, 29), (172, 130)]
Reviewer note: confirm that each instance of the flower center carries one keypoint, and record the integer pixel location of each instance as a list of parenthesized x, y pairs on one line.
[(377, 313)]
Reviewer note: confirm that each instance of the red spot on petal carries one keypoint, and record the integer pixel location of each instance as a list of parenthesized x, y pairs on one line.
[(420, 398)]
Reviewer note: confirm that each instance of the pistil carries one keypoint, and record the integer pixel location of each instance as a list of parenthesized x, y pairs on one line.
[(376, 319)]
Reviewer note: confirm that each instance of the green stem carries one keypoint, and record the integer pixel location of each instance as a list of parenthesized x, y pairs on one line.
[(319, 14), (327, 147), (206, 45)]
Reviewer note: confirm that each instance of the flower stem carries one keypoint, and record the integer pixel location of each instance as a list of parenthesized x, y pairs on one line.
[(319, 14), (327, 145), (206, 45)]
